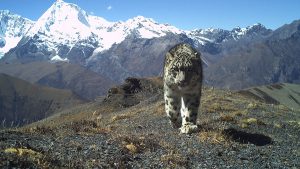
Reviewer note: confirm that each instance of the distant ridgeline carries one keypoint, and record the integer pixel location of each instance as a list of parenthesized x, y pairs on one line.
[(22, 103), (283, 93)]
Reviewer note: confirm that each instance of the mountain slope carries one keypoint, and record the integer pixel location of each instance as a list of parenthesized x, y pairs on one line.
[(12, 28), (135, 57), (286, 30), (283, 93), (84, 83), (273, 60), (144, 57), (235, 132), (22, 102)]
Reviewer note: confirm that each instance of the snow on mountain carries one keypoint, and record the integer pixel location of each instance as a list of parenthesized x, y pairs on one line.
[(67, 24), (62, 23), (116, 32), (57, 58), (65, 28), (2, 42), (148, 28), (12, 29), (203, 36)]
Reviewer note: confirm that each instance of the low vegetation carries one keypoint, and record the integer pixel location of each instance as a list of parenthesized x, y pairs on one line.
[(235, 130)]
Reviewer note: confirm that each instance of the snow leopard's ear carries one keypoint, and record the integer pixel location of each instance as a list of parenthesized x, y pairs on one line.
[(168, 58), (170, 55), (198, 54)]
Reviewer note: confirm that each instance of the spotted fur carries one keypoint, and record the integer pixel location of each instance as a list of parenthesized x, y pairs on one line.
[(182, 86)]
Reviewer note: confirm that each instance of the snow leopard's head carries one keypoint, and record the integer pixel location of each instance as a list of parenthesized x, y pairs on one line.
[(182, 66)]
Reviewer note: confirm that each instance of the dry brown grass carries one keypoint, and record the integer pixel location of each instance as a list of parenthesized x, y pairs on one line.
[(244, 123), (283, 108), (214, 137), (126, 115), (215, 105), (120, 117), (41, 129), (138, 144), (231, 117), (239, 113), (227, 118), (159, 108), (253, 106), (92, 131), (175, 160), (89, 112), (37, 157), (166, 145)]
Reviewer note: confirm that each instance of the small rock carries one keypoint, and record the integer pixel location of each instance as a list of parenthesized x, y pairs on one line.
[(132, 148)]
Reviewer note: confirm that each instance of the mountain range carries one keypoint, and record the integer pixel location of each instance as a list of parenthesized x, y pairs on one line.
[(136, 47)]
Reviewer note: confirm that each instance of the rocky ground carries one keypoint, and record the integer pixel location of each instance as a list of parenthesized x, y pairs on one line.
[(128, 129)]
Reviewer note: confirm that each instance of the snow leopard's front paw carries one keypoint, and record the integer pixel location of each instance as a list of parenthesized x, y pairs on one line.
[(188, 128)]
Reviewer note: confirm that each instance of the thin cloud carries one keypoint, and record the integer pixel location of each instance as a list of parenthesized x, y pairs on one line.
[(109, 7)]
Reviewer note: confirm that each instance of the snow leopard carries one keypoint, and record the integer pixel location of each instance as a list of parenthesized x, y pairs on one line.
[(182, 86)]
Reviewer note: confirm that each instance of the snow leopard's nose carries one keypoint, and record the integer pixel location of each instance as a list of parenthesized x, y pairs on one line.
[(181, 77)]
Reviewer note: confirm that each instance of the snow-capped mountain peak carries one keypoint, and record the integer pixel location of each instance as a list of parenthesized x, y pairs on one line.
[(141, 19), (63, 19), (202, 36), (141, 27), (255, 28), (12, 29), (148, 28), (67, 24)]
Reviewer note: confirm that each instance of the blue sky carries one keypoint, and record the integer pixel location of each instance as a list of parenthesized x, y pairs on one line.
[(184, 14)]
